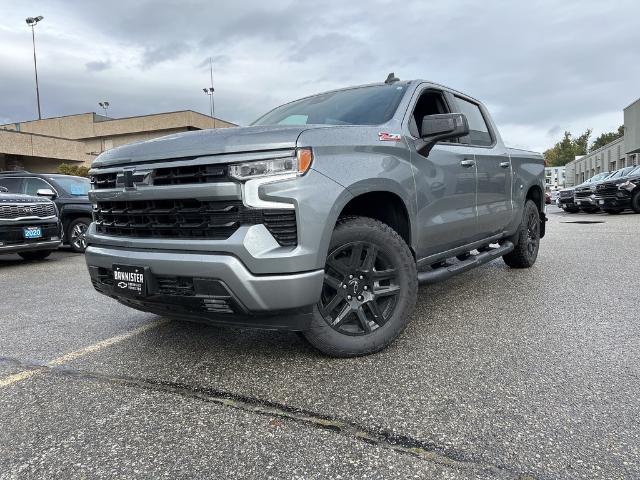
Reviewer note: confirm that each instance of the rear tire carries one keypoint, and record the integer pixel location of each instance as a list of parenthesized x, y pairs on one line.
[(526, 240), (379, 272), (35, 255)]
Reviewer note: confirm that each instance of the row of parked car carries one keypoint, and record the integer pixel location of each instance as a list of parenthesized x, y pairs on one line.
[(40, 212), (611, 192)]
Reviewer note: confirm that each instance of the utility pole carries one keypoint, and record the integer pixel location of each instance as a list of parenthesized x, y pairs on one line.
[(32, 22), (209, 91)]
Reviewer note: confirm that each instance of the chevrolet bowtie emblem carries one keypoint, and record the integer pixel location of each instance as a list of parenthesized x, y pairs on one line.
[(128, 179)]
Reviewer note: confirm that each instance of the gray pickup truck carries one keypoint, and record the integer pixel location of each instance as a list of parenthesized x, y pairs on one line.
[(322, 217)]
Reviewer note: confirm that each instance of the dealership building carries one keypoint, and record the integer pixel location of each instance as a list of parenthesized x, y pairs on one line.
[(42, 145), (623, 152)]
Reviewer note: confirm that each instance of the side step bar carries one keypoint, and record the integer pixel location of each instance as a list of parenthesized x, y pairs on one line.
[(443, 273)]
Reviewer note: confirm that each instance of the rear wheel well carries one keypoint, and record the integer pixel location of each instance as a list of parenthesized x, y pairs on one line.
[(386, 207), (535, 194)]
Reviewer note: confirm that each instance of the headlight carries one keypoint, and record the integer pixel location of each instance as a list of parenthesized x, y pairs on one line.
[(298, 165), (628, 185)]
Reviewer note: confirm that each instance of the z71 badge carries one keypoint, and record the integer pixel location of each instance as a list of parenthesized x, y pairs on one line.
[(389, 137)]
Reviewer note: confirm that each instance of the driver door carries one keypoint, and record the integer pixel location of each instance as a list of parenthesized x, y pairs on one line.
[(445, 182)]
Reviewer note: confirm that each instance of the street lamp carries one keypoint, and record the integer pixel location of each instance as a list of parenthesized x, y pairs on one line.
[(32, 22), (209, 91), (105, 106)]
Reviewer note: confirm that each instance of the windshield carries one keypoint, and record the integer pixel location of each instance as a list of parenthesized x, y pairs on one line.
[(600, 176), (372, 105), (77, 186)]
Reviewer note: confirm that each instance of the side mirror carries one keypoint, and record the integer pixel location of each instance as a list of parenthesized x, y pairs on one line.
[(4, 189), (46, 192), (443, 126)]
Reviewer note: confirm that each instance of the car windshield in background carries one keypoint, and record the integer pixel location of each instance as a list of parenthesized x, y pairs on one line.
[(76, 186), (371, 105)]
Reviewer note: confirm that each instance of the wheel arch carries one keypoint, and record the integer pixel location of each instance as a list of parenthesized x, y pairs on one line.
[(385, 206)]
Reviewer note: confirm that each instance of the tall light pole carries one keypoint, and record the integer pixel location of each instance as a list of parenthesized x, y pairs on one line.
[(209, 91), (105, 106), (32, 22)]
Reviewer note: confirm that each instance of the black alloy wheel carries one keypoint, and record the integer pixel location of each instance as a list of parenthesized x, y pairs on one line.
[(369, 289), (360, 290)]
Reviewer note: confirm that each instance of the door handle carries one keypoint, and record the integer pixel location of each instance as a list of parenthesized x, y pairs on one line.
[(467, 163), (505, 164)]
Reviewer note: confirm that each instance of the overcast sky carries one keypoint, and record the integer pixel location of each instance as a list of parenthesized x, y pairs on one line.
[(540, 66)]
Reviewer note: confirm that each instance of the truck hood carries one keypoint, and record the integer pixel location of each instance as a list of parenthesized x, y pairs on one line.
[(20, 198), (204, 142)]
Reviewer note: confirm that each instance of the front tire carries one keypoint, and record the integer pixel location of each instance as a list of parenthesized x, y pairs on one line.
[(35, 255), (76, 234), (635, 201), (369, 291), (527, 240)]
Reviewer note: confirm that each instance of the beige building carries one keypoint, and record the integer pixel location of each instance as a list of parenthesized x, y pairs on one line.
[(623, 152), (42, 145)]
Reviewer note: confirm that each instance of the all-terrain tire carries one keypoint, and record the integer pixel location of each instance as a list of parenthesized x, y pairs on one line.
[(526, 240), (338, 334), (35, 255)]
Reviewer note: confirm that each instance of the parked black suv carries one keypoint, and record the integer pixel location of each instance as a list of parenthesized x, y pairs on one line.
[(69, 194), (620, 192), (29, 226)]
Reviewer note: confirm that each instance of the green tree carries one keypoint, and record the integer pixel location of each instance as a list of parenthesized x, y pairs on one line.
[(76, 170), (567, 149), (607, 137)]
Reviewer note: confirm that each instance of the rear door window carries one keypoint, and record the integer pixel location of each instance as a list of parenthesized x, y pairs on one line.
[(479, 133)]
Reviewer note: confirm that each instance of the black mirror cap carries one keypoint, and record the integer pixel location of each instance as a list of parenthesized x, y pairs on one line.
[(444, 126)]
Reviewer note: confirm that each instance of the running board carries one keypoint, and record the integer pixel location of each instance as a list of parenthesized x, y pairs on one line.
[(443, 273)]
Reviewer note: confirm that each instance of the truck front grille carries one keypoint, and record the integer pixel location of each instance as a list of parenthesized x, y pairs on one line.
[(38, 210), (566, 194), (607, 190), (583, 193), (189, 219), (179, 175)]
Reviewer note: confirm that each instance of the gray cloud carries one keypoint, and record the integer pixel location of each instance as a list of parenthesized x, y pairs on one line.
[(169, 51), (98, 65), (541, 66)]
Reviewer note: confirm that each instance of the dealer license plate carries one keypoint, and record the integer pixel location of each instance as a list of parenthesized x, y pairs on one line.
[(32, 232), (130, 280)]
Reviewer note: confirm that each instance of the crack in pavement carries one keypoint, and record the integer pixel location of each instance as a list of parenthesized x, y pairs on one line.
[(380, 437)]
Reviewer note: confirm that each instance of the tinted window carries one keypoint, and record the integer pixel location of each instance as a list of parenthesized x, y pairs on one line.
[(357, 106), (32, 185), (77, 186), (12, 184), (478, 129)]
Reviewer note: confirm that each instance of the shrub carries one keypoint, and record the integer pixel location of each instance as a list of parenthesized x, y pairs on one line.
[(75, 170)]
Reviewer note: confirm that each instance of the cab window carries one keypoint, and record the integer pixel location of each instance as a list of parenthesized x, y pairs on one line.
[(12, 184), (32, 185), (431, 102), (479, 133)]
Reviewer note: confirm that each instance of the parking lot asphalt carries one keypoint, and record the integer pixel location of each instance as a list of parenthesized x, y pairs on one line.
[(501, 374)]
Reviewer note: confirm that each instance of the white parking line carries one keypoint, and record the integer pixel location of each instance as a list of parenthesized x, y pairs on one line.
[(68, 357)]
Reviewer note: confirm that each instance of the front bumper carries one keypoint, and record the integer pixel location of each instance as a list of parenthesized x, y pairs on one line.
[(12, 240), (567, 203), (586, 202), (210, 287), (613, 203)]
